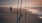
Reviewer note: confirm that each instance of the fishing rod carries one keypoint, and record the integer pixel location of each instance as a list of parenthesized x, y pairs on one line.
[(20, 11), (17, 10)]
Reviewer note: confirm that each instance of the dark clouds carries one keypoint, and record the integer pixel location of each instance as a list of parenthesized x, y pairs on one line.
[(7, 2)]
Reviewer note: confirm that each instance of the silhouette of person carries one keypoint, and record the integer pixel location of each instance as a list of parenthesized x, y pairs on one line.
[(11, 9), (1, 10)]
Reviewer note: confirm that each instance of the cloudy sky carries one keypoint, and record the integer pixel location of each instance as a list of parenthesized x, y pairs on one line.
[(13, 3)]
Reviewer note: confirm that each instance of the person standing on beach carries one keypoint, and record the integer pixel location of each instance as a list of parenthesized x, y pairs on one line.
[(11, 9)]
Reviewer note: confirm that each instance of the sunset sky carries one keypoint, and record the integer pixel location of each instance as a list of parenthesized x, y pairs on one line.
[(13, 3)]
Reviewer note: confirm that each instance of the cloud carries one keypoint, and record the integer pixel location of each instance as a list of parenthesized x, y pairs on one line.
[(29, 3)]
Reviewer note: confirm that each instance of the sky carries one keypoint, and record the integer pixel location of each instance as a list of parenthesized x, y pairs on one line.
[(13, 3)]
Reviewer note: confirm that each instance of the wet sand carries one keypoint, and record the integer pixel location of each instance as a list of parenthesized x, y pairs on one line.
[(12, 18)]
